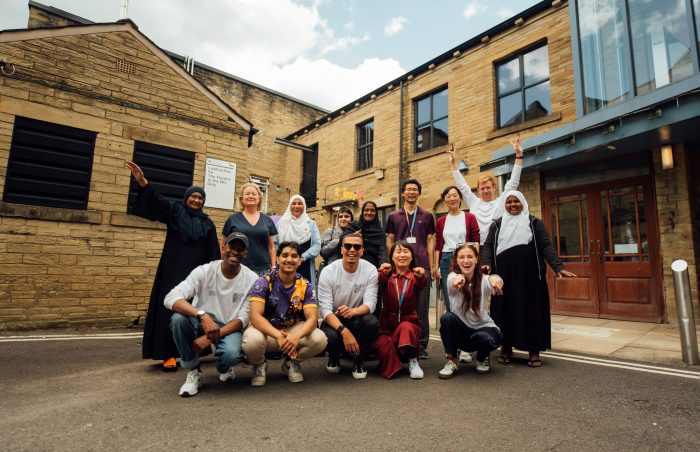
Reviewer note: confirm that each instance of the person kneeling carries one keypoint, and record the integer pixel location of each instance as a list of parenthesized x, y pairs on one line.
[(469, 327), (217, 315), (347, 296), (283, 318)]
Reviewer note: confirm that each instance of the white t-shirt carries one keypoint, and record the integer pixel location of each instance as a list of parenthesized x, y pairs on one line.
[(455, 232), (472, 320), (336, 287), (211, 291)]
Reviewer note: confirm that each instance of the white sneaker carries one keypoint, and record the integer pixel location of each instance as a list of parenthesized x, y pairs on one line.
[(483, 366), (449, 370), (414, 369), (333, 366), (293, 371), (192, 384), (358, 370), (259, 375), (465, 357), (229, 375)]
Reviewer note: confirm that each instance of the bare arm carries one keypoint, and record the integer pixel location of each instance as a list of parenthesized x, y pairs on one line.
[(271, 252)]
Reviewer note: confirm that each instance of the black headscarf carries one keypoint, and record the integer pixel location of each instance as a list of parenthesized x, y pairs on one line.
[(372, 231), (192, 224)]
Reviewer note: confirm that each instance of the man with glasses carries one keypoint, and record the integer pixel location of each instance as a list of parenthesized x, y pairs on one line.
[(218, 313), (417, 227), (347, 296)]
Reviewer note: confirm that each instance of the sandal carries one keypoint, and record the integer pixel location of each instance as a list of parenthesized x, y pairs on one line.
[(170, 365), (503, 359), (534, 362)]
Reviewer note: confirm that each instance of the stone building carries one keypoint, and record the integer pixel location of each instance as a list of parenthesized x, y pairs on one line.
[(76, 100), (606, 99)]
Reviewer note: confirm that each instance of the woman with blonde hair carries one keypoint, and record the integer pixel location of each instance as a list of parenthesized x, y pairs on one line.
[(258, 227)]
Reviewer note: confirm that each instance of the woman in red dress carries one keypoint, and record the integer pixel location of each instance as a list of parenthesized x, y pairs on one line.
[(399, 326)]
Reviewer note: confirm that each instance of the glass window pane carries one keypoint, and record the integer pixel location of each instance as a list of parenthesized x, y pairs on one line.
[(423, 138), (440, 104), (537, 102), (604, 46), (509, 76), (510, 110), (661, 43), (536, 65), (440, 135), (423, 111)]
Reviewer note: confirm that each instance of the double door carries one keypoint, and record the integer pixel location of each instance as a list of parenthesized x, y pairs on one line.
[(607, 234)]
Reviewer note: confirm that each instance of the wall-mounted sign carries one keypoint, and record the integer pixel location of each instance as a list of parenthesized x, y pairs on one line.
[(220, 184)]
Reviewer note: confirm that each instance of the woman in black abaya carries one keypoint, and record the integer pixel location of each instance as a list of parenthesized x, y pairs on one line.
[(190, 241)]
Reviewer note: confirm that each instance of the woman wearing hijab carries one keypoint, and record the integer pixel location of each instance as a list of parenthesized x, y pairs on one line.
[(190, 241), (517, 248), (372, 233), (296, 226), (330, 240)]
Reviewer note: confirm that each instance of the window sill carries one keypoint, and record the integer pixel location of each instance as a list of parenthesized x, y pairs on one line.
[(518, 127), (133, 221), (364, 172), (50, 213), (429, 153)]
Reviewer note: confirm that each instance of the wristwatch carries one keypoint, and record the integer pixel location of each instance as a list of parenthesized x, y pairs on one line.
[(200, 314), (340, 329)]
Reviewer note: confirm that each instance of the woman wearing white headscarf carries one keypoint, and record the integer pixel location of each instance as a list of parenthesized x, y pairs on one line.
[(517, 248), (296, 226)]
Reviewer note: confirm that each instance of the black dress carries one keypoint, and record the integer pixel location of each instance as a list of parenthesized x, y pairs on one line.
[(177, 260)]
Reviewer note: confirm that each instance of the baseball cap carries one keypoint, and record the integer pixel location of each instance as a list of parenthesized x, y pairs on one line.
[(237, 236)]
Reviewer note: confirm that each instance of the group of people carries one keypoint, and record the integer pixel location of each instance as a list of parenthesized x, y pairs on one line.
[(251, 294)]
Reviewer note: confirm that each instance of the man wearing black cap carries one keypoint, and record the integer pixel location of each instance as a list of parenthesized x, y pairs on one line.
[(218, 313)]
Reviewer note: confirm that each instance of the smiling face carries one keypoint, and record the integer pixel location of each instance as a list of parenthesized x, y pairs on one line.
[(343, 219), (401, 257), (234, 253), (351, 249), (195, 201), (513, 205), (452, 199), (369, 213), (410, 193), (288, 260), (297, 208), (487, 191), (467, 261)]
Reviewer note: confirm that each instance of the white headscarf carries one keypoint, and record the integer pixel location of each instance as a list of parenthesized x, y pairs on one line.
[(294, 229), (515, 229)]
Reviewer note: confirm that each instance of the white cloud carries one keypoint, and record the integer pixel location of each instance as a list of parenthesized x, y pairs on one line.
[(472, 9), (394, 26), (343, 43), (505, 13), (348, 25)]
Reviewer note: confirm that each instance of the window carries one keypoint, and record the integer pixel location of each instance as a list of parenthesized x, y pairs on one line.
[(631, 47), (168, 169), (365, 142), (49, 165), (523, 87), (431, 121), (309, 170), (263, 184)]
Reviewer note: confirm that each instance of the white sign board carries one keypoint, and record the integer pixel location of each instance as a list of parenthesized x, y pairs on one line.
[(220, 184)]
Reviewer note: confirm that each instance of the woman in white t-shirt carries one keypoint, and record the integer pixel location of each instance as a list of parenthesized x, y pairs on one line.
[(469, 327)]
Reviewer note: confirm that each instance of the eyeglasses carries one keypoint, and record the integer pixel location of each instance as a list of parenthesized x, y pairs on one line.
[(354, 246)]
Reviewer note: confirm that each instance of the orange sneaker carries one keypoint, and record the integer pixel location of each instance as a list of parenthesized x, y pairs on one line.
[(170, 365)]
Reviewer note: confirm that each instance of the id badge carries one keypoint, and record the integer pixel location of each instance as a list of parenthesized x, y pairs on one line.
[(411, 239)]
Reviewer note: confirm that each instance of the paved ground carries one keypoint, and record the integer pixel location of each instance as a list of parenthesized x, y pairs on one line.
[(97, 394)]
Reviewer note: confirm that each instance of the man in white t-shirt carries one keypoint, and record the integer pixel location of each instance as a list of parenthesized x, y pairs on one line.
[(218, 313), (347, 296)]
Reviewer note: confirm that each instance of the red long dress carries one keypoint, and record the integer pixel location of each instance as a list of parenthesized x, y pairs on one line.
[(398, 341)]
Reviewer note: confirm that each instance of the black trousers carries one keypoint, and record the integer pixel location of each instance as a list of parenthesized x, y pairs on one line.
[(364, 328), (456, 335)]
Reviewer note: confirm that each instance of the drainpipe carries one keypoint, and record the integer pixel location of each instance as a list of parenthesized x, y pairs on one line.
[(399, 203)]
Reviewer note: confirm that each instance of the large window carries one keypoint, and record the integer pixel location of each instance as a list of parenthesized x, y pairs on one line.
[(631, 47), (309, 171), (168, 169), (50, 165), (431, 121), (365, 143), (523, 87)]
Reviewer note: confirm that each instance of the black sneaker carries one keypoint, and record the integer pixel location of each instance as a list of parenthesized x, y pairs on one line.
[(358, 370), (333, 366)]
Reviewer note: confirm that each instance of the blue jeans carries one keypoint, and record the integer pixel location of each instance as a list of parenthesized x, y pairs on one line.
[(187, 329), (445, 259)]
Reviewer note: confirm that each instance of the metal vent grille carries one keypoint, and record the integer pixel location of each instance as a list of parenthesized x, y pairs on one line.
[(125, 66)]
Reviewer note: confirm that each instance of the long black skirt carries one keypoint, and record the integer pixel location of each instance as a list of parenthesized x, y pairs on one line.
[(522, 312)]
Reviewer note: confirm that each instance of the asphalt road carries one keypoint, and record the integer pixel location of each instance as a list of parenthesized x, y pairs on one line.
[(98, 394)]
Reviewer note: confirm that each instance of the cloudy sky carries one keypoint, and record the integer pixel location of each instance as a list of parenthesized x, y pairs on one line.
[(326, 52)]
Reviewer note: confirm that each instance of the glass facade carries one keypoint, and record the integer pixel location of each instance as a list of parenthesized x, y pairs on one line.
[(631, 47)]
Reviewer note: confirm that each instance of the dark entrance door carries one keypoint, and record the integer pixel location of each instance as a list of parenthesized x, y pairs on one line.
[(607, 234)]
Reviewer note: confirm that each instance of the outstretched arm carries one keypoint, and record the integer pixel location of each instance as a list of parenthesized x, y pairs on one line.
[(514, 180), (460, 181)]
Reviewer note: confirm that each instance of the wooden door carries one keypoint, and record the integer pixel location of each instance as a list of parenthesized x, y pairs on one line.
[(607, 234)]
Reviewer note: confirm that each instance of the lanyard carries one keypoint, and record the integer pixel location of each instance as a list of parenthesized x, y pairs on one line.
[(403, 292), (412, 222)]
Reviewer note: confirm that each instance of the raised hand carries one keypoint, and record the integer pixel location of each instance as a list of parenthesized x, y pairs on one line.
[(419, 272), (515, 142), (136, 172), (385, 268), (453, 157)]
